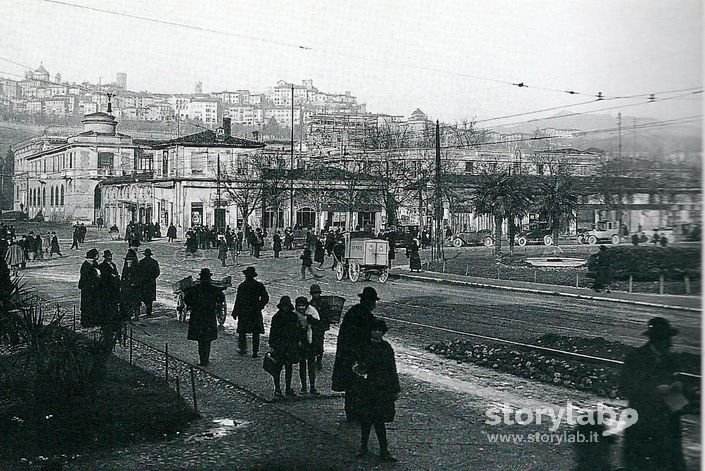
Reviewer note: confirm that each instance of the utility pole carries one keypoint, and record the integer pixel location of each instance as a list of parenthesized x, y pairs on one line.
[(619, 126), (439, 199), (218, 220), (291, 170)]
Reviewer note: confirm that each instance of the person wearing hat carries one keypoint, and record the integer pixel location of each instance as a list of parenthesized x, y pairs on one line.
[(647, 380), (250, 299), (320, 327), (603, 273), (55, 249), (89, 284), (109, 287), (285, 343), (130, 287), (379, 385), (148, 272), (204, 300), (353, 335)]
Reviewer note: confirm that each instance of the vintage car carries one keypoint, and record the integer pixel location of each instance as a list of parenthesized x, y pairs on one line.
[(481, 237), (535, 233), (603, 231)]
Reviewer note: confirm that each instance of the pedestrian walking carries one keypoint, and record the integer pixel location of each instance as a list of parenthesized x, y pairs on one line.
[(307, 318), (239, 239), (258, 242), (130, 289), (306, 263), (655, 238), (148, 272), (276, 244), (377, 370), (320, 327), (191, 242), (204, 300), (338, 251), (171, 233), (653, 442), (109, 288), (89, 284), (392, 250), (14, 257), (47, 242), (285, 344), (319, 254), (82, 232), (250, 299), (414, 257), (31, 246), (603, 276), (38, 249), (288, 239), (222, 251), (354, 333), (55, 249)]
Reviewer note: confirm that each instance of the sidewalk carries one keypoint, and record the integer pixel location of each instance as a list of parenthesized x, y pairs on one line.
[(666, 301)]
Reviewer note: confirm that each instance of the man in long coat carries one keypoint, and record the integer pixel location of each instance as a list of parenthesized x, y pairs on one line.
[(654, 441), (148, 272), (89, 284), (353, 335), (251, 298), (203, 299), (109, 287)]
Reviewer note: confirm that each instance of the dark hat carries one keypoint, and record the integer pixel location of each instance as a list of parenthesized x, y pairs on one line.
[(379, 324), (659, 328), (131, 254), (147, 252), (285, 302), (301, 301), (205, 274), (315, 289), (250, 271), (92, 253), (106, 253), (369, 293)]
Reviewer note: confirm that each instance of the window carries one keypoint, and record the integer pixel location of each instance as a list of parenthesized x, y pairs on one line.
[(105, 159), (539, 169), (469, 167), (51, 200), (165, 162), (62, 195), (197, 160), (44, 197)]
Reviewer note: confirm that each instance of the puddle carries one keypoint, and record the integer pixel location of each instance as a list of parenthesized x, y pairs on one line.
[(222, 428)]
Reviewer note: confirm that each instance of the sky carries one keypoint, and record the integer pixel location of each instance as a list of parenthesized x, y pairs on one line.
[(455, 60)]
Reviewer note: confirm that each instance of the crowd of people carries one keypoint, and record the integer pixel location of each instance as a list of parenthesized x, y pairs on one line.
[(18, 251), (364, 368)]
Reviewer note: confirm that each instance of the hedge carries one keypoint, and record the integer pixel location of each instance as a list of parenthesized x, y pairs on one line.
[(648, 263)]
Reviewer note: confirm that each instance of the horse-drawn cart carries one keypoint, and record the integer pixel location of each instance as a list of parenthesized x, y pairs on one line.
[(364, 257), (180, 288)]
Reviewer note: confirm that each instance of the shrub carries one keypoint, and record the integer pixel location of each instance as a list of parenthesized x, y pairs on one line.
[(648, 263)]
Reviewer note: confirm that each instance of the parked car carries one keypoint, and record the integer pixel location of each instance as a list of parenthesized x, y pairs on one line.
[(481, 237), (401, 234), (536, 233), (603, 231)]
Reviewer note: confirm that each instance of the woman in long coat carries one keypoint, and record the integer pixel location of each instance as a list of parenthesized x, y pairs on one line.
[(414, 258), (319, 254), (379, 388), (130, 290), (203, 299), (285, 343), (89, 284), (222, 251)]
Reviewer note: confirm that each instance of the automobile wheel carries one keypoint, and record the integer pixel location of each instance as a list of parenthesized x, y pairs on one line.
[(354, 271), (615, 239), (547, 240), (592, 240), (457, 242), (383, 276), (339, 271), (580, 239), (488, 242), (521, 241)]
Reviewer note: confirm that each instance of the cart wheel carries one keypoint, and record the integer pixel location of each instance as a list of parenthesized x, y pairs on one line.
[(181, 307), (339, 271), (383, 276), (368, 275), (457, 242), (222, 313), (354, 271)]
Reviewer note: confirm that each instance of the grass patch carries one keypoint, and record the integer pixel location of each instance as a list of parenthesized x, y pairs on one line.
[(131, 406)]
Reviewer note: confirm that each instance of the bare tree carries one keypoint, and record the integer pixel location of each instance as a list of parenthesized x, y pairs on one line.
[(242, 185)]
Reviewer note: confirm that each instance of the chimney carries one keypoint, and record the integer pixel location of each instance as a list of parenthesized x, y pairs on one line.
[(226, 127)]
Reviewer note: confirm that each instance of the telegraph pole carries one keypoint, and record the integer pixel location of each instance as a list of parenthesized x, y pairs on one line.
[(218, 221), (439, 198), (291, 170)]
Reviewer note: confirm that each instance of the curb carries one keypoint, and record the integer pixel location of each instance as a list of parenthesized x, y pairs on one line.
[(541, 291)]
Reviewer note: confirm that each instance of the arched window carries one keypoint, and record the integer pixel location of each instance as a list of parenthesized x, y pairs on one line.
[(33, 197), (306, 217), (51, 198), (62, 195), (44, 197)]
